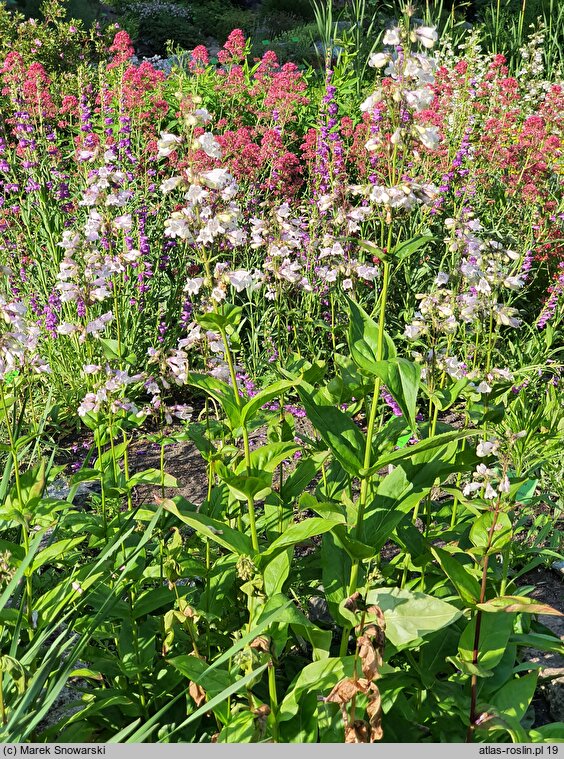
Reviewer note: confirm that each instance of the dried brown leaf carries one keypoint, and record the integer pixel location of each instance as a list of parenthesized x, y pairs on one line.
[(358, 732), (262, 643), (374, 713), (352, 602), (369, 659), (197, 692), (344, 691)]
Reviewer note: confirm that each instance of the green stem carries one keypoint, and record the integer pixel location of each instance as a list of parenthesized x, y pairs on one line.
[(365, 483), (2, 706), (25, 530), (273, 700), (103, 489), (246, 446)]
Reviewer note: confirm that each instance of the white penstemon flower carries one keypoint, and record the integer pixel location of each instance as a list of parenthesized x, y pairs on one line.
[(378, 60), (167, 144), (209, 145), (392, 36), (426, 35)]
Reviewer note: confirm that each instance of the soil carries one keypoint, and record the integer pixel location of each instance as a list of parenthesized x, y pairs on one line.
[(547, 702)]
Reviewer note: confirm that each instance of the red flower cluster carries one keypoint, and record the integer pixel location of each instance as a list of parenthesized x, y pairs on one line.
[(122, 49)]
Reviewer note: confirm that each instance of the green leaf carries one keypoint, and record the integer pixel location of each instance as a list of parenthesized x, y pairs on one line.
[(514, 697), (237, 686), (152, 477), (363, 339), (239, 729), (410, 616), (423, 446), (221, 392), (14, 668), (275, 390), (299, 533), (213, 680), (406, 249), (85, 475), (268, 457), (306, 469), (336, 569), (230, 316), (276, 572), (401, 377), (445, 398), (539, 641), (467, 586), (55, 551), (519, 604), (396, 495), (337, 430), (219, 532), (245, 486), (111, 349), (500, 537), (553, 733), (317, 677), (495, 630), (503, 722)]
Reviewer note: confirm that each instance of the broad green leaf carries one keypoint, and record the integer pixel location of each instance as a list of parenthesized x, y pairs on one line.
[(236, 687), (111, 348), (398, 493), (85, 475), (401, 377), (198, 670), (336, 571), (276, 572), (405, 249), (337, 430), (14, 668), (275, 390), (298, 533), (495, 630), (229, 316), (540, 641), (422, 446), (514, 697), (245, 486), (221, 392), (306, 469), (487, 540), (363, 339), (288, 613), (219, 532), (239, 729), (504, 722), (317, 677), (553, 733), (267, 457), (443, 399), (55, 551), (410, 616), (152, 477), (466, 585), (522, 604)]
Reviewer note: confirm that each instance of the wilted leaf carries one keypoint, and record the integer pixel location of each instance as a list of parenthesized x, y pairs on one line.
[(358, 732), (262, 644), (346, 690), (374, 712), (197, 692), (370, 661)]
